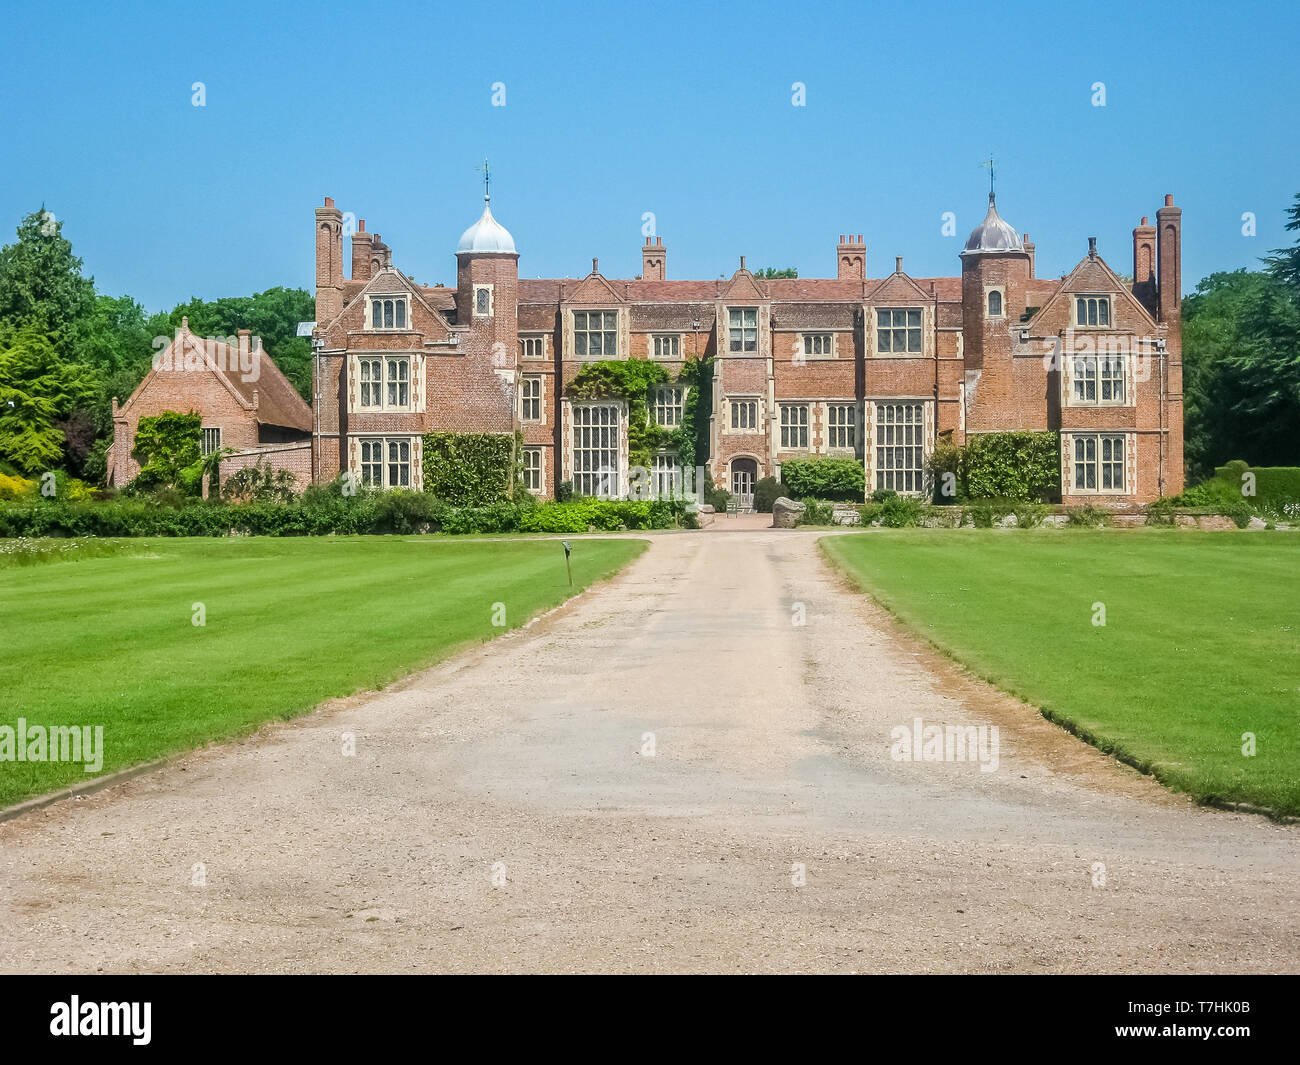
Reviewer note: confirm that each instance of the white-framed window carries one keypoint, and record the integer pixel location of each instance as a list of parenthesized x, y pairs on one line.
[(533, 469), (386, 462), (667, 345), (900, 446), (1092, 311), (668, 403), (794, 426), (482, 301), (842, 425), (818, 344), (385, 382), (898, 330), (387, 312), (995, 303), (744, 413), (533, 347), (742, 329), (666, 475), (595, 334), (596, 450), (1096, 379), (1099, 464), (530, 399), (211, 440)]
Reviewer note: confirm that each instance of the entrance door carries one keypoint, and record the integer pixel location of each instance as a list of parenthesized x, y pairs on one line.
[(744, 472)]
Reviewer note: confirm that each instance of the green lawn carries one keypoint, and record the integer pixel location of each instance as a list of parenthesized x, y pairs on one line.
[(1199, 645), (289, 622)]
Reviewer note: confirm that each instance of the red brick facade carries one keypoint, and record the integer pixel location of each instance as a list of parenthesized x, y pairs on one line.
[(873, 369)]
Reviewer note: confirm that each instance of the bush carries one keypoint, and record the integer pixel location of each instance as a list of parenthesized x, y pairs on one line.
[(1276, 487), (717, 498), (868, 513), (766, 492), (883, 495), (1087, 516), (13, 487), (1161, 512), (473, 469), (1029, 515), (816, 512), (259, 484), (564, 491), (838, 480), (900, 512), (1019, 466), (947, 472)]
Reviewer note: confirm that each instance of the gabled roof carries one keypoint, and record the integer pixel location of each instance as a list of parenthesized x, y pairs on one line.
[(593, 289), (278, 402), (897, 286), (1093, 273), (743, 286)]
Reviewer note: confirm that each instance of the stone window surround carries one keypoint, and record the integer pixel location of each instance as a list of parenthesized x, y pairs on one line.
[(372, 297), (483, 286), (1109, 297), (1001, 290), (415, 453), (535, 337), (383, 358), (1128, 379), (873, 327), (1128, 467), (656, 339), (524, 397), (731, 402), (867, 435), (796, 427), (622, 336), (540, 469)]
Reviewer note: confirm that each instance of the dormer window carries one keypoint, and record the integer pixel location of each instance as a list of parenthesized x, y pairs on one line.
[(1092, 310), (595, 333), (482, 301), (995, 304), (387, 312)]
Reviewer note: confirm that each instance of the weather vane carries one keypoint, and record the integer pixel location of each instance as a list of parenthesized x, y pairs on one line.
[(989, 163), (486, 171)]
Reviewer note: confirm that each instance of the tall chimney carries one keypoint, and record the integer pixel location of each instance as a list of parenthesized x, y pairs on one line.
[(1144, 265), (851, 258), (1169, 222), (329, 262), (361, 253), (1029, 250), (653, 260)]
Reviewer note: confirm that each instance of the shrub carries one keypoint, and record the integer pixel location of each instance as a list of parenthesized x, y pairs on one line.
[(946, 470), (168, 448), (259, 484), (839, 480), (1240, 512), (816, 512), (1087, 516), (900, 512), (13, 487), (564, 491), (472, 469), (1029, 515), (717, 498), (883, 495), (1161, 512), (868, 513), (766, 492), (1020, 466)]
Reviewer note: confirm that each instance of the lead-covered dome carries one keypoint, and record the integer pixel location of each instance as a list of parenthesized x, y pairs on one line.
[(487, 236), (993, 234)]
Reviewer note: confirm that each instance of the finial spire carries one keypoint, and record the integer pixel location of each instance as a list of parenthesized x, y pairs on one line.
[(486, 171), (989, 163)]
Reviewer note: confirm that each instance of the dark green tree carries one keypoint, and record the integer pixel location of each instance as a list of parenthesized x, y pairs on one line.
[(1284, 263), (41, 282), (39, 392)]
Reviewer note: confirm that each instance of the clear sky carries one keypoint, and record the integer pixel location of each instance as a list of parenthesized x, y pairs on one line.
[(680, 109)]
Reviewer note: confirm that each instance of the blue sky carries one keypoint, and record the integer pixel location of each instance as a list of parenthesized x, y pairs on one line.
[(680, 109)]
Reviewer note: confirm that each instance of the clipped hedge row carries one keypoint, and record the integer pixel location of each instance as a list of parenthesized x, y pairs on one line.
[(322, 513), (1275, 486)]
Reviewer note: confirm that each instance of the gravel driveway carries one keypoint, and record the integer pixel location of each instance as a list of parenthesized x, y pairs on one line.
[(636, 783)]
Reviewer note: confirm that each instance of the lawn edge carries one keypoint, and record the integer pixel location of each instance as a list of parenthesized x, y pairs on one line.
[(1055, 717), (120, 776)]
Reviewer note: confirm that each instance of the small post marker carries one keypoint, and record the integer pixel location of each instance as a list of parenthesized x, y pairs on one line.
[(567, 564)]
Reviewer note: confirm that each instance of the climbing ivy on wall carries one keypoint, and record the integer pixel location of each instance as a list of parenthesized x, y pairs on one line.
[(472, 469), (634, 381)]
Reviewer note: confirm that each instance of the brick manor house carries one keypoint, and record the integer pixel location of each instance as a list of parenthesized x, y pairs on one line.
[(876, 369), (873, 369)]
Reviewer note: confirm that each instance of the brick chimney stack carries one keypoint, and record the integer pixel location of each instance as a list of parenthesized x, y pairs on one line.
[(329, 262), (1144, 265), (851, 258), (653, 260), (361, 253), (1169, 222)]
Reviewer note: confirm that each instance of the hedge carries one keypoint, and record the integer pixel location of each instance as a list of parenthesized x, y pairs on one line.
[(1019, 466), (1275, 486), (321, 512), (836, 480), (472, 469)]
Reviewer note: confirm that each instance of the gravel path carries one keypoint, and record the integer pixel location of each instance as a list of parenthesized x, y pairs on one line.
[(528, 760)]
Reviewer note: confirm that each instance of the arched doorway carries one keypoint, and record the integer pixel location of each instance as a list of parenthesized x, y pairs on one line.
[(744, 472)]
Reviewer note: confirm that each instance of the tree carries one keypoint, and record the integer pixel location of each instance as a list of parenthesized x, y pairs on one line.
[(38, 391), (41, 282), (769, 272), (1241, 365), (1284, 263)]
